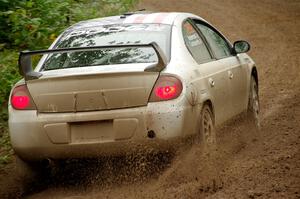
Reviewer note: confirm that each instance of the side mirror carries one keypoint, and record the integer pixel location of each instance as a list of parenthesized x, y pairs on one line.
[(241, 46)]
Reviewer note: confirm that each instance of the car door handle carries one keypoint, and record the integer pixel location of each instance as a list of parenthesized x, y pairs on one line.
[(230, 75), (211, 82)]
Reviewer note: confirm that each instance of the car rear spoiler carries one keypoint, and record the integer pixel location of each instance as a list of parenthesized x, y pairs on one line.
[(26, 70)]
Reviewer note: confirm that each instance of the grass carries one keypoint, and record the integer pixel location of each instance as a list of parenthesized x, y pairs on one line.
[(6, 151), (8, 77)]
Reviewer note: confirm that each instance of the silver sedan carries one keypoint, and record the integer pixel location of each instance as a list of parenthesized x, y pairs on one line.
[(109, 85)]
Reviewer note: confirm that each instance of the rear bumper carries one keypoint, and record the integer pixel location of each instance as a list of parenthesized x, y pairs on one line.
[(91, 134)]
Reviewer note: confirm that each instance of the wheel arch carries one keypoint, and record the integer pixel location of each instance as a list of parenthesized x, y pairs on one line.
[(255, 74), (211, 106)]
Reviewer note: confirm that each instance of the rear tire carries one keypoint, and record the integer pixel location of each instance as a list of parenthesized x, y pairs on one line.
[(207, 128), (25, 170), (29, 172), (253, 104)]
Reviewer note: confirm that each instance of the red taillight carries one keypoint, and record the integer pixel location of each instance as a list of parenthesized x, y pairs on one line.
[(20, 102), (166, 88), (21, 99)]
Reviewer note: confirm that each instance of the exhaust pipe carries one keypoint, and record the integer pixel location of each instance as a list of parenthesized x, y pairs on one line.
[(151, 134), (46, 163)]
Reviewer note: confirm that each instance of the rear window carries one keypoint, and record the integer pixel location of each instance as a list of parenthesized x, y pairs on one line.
[(121, 34)]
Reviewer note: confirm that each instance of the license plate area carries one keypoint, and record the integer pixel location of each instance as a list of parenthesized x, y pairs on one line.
[(92, 132)]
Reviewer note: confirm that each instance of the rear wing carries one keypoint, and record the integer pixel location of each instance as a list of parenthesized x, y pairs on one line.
[(26, 70)]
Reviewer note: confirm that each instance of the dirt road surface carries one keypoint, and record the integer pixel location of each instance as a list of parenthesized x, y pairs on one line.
[(247, 164)]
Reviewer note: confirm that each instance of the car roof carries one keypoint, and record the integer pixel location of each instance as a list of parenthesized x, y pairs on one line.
[(130, 18)]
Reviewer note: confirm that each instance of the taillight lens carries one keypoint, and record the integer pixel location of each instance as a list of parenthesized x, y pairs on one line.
[(21, 99), (167, 87)]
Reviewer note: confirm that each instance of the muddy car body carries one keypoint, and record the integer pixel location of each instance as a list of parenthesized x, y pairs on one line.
[(195, 79)]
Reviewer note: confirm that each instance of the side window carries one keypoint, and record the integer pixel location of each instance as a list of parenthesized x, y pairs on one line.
[(217, 43), (195, 44)]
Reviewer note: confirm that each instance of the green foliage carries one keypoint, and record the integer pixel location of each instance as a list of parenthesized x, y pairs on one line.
[(35, 24), (32, 22)]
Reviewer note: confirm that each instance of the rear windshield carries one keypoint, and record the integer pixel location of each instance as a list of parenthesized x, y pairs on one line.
[(121, 34)]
